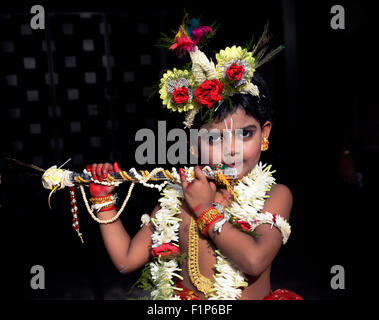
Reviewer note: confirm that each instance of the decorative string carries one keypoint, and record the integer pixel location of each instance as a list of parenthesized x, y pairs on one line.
[(142, 180)]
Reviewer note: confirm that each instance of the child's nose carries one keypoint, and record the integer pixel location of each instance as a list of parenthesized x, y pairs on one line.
[(232, 151), (231, 147)]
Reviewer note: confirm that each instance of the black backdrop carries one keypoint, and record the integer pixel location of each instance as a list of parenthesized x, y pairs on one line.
[(79, 90)]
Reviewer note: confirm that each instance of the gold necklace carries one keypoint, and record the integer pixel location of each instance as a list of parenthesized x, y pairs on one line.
[(202, 283)]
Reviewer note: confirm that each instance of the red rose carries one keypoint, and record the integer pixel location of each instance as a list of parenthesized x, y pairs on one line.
[(165, 250), (180, 95), (244, 225), (235, 72), (209, 92)]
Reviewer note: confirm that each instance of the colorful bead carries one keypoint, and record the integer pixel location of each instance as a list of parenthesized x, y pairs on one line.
[(74, 211)]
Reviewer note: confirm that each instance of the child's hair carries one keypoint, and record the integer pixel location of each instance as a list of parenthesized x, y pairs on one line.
[(258, 107)]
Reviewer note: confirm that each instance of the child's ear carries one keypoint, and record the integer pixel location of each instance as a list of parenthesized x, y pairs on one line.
[(266, 129)]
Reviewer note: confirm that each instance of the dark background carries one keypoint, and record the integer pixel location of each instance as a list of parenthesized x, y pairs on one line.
[(79, 90)]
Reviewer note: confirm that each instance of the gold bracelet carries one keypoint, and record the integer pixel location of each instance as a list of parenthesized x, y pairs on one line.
[(99, 200), (205, 220)]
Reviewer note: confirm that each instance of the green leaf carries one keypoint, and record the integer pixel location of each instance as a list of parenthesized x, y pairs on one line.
[(145, 281)]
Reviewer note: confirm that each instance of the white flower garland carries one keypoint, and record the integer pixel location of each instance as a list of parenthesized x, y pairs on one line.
[(252, 193), (162, 273), (228, 280), (166, 225)]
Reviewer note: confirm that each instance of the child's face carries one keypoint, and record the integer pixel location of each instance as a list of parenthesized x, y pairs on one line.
[(240, 149)]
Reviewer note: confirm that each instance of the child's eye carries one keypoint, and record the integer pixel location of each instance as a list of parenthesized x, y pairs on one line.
[(245, 133)]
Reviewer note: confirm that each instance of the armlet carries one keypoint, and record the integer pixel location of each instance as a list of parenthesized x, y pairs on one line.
[(275, 220)]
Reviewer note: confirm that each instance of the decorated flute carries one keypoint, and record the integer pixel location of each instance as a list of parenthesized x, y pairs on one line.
[(56, 177)]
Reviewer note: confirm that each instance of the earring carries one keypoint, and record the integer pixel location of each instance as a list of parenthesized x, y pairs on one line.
[(264, 145)]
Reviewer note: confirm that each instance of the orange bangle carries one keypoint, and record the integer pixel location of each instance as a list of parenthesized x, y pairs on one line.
[(99, 200), (207, 217), (204, 212), (211, 222), (102, 197)]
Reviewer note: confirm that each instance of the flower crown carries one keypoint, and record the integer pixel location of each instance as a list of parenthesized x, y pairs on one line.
[(207, 85)]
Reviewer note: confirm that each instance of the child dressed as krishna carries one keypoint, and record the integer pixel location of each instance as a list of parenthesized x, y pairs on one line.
[(209, 239)]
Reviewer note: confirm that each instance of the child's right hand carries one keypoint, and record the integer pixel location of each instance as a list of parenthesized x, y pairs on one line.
[(100, 171)]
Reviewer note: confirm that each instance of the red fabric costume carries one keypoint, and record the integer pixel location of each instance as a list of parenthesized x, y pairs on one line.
[(283, 294), (279, 294)]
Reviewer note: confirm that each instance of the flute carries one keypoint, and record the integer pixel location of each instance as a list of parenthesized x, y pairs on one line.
[(56, 178), (60, 178)]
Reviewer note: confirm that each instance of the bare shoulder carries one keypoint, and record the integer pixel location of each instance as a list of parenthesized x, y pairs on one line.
[(280, 190), (280, 200)]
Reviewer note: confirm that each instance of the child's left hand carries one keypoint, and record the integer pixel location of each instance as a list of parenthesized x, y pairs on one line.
[(199, 193)]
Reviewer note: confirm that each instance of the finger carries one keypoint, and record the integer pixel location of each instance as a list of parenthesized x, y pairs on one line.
[(93, 171), (183, 179), (99, 173), (116, 167), (199, 174), (107, 168)]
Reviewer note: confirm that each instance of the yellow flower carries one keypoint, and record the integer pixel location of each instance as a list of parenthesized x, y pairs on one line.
[(234, 53), (168, 80)]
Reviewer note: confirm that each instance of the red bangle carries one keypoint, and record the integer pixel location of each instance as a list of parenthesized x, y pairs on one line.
[(211, 222), (107, 209), (206, 219), (202, 214)]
